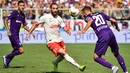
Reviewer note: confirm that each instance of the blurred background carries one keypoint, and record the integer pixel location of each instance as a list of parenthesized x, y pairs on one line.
[(118, 9)]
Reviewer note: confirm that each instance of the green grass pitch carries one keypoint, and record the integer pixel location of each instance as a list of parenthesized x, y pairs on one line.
[(38, 59)]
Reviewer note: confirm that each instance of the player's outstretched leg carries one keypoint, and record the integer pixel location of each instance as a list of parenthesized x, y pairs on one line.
[(71, 60), (105, 63), (115, 51), (121, 62), (58, 59), (7, 59)]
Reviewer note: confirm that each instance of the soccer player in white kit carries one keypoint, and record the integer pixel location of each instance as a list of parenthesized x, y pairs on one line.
[(52, 22)]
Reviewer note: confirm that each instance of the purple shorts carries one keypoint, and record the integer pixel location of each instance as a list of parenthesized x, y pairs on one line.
[(104, 40), (15, 42)]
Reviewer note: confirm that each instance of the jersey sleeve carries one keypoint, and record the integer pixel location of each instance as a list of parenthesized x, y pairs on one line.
[(106, 16), (42, 19), (87, 18), (62, 24), (11, 15)]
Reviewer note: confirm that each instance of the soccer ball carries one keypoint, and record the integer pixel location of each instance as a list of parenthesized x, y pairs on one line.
[(74, 12)]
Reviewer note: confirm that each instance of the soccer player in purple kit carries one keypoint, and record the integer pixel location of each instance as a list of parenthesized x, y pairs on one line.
[(16, 19), (98, 21)]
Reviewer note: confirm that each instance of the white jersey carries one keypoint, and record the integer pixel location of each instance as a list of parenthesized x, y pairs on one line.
[(51, 27)]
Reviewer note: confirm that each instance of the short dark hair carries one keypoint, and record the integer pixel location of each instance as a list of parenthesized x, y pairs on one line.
[(87, 8), (53, 4), (20, 2)]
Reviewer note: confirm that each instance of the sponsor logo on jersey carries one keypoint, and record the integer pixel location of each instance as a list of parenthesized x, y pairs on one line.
[(102, 27), (55, 26), (18, 21)]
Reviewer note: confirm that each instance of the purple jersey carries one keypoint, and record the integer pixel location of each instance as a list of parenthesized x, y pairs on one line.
[(99, 22), (15, 20), (104, 33)]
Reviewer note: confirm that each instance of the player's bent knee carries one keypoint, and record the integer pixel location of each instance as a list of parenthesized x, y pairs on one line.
[(21, 50), (116, 54), (95, 56), (62, 52)]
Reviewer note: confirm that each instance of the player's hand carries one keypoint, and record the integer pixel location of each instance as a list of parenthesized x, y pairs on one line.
[(33, 35), (67, 31), (9, 33), (27, 36), (80, 32)]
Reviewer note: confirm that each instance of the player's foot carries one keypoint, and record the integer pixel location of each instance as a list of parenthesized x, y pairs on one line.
[(7, 67), (115, 70), (82, 68), (5, 62), (55, 66), (126, 72)]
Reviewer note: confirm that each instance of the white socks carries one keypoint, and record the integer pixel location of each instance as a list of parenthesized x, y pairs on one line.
[(58, 59), (113, 67), (71, 60)]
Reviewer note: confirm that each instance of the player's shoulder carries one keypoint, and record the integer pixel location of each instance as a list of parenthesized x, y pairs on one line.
[(100, 13), (45, 16), (103, 14), (59, 17), (14, 11), (87, 17), (96, 13)]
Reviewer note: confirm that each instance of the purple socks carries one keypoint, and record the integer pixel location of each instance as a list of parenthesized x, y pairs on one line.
[(103, 62), (10, 56), (121, 62), (108, 65)]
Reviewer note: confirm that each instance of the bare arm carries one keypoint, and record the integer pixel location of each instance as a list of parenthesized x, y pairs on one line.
[(32, 28), (86, 27), (26, 28), (67, 30), (115, 23), (30, 31), (7, 26)]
